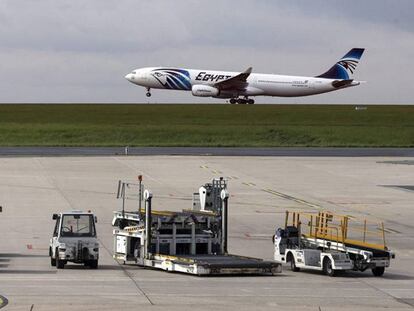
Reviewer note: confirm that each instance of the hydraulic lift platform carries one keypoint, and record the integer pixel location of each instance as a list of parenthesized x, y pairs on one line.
[(191, 241)]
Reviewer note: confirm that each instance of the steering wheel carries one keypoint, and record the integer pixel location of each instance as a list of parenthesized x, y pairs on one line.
[(66, 229)]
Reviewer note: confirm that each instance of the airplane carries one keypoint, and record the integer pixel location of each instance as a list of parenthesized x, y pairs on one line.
[(238, 87)]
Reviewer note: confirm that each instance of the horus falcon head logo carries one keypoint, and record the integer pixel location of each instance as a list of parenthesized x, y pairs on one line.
[(172, 78), (161, 77), (349, 64)]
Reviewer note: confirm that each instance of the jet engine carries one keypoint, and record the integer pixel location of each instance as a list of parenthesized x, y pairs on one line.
[(204, 90)]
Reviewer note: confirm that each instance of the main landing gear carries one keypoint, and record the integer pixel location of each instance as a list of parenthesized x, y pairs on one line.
[(148, 92), (242, 101)]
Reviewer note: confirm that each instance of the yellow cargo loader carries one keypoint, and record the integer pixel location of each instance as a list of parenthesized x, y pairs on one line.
[(329, 242)]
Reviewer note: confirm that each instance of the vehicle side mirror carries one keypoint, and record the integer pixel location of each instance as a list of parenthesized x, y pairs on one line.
[(96, 219), (1, 209), (55, 216)]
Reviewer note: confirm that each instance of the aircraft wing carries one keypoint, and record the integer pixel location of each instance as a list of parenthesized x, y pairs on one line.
[(237, 82)]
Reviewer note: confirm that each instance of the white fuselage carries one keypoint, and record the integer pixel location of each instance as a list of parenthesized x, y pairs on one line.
[(256, 84)]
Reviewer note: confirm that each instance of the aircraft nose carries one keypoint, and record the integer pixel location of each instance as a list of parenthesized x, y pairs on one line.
[(128, 77)]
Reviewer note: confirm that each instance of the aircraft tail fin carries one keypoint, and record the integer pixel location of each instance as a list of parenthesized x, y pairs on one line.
[(345, 67)]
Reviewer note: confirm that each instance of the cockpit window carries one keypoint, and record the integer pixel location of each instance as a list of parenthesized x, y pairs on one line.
[(134, 72)]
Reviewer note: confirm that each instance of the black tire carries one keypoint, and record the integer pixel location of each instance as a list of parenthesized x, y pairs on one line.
[(148, 94), (52, 260), (60, 264), (93, 264), (233, 101), (378, 271), (250, 101), (291, 259), (327, 267)]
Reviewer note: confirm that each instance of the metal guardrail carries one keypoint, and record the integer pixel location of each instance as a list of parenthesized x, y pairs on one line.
[(339, 228)]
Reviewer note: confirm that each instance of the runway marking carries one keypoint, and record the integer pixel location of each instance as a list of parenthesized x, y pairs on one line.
[(393, 230), (216, 172), (289, 197), (3, 301), (388, 230), (212, 170), (231, 177)]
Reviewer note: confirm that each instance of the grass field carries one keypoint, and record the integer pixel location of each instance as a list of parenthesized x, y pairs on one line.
[(206, 125)]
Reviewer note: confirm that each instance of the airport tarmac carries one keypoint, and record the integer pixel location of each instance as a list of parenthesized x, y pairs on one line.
[(261, 189)]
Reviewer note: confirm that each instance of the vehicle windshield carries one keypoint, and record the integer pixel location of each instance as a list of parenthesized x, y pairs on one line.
[(77, 226)]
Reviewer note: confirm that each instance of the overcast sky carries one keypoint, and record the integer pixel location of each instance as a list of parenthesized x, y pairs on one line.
[(80, 50)]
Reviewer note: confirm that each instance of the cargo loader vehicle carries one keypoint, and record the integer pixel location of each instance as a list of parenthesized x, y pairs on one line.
[(331, 243), (193, 241)]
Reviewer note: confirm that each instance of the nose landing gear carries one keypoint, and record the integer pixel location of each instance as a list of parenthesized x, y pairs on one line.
[(148, 92), (242, 101)]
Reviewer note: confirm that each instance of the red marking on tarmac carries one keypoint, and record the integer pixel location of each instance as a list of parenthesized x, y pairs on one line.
[(247, 235), (29, 246)]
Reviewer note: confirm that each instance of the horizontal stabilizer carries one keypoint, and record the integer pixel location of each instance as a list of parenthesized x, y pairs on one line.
[(342, 83)]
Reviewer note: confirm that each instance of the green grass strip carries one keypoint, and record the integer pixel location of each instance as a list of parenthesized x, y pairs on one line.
[(206, 125)]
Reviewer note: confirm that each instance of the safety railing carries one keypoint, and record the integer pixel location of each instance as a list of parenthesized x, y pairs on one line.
[(339, 228)]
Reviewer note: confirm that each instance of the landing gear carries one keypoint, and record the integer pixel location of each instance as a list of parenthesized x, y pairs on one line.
[(242, 101), (148, 92)]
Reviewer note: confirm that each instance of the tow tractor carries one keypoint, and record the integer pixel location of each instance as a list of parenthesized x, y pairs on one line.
[(192, 241), (74, 239), (331, 243)]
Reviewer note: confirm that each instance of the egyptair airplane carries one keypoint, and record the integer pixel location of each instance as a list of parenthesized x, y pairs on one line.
[(238, 87)]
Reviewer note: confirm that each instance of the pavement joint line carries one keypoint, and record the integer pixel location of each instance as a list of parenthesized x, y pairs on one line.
[(128, 275), (383, 292), (52, 181)]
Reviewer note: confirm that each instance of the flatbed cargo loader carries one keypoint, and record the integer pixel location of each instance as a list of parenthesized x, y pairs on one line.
[(191, 241), (332, 243)]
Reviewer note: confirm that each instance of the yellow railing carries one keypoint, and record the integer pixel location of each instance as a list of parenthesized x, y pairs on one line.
[(339, 228)]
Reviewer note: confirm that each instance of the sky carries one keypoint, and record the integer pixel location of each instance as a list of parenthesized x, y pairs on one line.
[(78, 51)]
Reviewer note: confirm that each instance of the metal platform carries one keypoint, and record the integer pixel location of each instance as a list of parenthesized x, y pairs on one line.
[(190, 241)]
